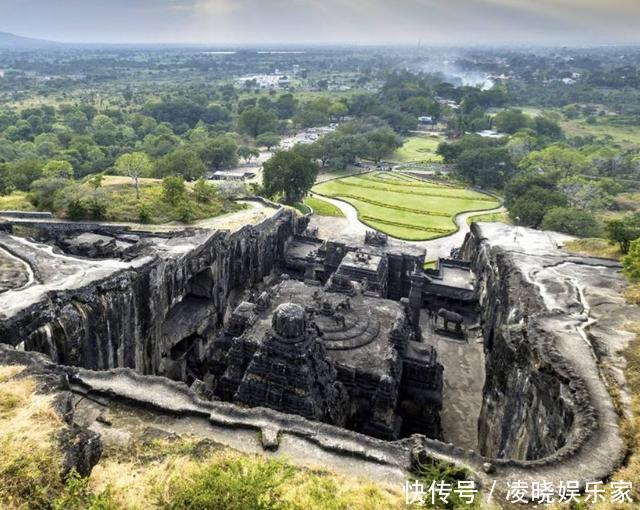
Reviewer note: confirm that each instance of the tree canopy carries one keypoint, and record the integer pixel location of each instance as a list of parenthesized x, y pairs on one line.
[(289, 173), (256, 121), (134, 165)]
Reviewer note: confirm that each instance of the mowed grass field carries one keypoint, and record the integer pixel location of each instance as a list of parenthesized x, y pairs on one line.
[(406, 207), (418, 149), (323, 208)]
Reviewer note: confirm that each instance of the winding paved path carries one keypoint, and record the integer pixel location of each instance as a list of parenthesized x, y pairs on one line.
[(436, 248)]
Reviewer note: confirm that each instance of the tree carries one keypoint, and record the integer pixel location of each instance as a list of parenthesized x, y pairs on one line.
[(290, 174), (286, 105), (522, 183), (418, 105), (104, 129), (572, 221), (43, 192), (530, 208), (22, 173), (556, 159), (134, 165), (489, 167), (97, 204), (401, 122), (157, 145), (255, 121), (313, 113), (173, 189), (77, 120), (624, 231), (631, 261), (381, 142), (584, 193), (248, 153), (339, 149), (230, 190), (547, 127), (451, 151), (268, 140), (338, 110), (219, 152), (57, 169), (510, 121), (183, 161)]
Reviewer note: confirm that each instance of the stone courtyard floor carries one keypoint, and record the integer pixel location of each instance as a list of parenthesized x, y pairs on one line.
[(463, 375)]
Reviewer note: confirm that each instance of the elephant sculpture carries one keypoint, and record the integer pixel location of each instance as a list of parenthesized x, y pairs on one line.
[(449, 316)]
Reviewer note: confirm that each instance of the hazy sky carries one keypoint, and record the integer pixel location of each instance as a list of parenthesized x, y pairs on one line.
[(457, 22)]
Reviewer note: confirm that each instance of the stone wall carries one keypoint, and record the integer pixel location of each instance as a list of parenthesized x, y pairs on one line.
[(533, 405)]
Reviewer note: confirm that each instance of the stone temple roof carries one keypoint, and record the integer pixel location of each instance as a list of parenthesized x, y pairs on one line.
[(363, 343)]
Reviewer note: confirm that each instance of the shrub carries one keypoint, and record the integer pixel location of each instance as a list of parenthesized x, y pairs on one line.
[(186, 212), (43, 192), (173, 189), (144, 214), (203, 191), (231, 190), (76, 210), (433, 470), (97, 210)]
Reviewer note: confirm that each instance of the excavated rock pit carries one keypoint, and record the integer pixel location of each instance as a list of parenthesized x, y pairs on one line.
[(549, 322)]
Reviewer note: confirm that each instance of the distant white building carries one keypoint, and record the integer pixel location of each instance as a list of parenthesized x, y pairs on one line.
[(265, 81), (490, 133)]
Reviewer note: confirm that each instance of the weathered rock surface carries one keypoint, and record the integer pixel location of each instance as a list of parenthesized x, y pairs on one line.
[(92, 245), (81, 448), (548, 319), (105, 314)]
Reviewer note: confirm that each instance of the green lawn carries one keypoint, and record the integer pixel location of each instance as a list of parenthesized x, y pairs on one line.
[(406, 207), (322, 207), (418, 149)]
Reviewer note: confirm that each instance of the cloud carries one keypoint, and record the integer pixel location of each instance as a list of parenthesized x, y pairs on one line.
[(441, 21), (456, 22)]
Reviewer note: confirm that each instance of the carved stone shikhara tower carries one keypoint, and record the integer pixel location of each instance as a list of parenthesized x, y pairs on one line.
[(290, 371), (331, 356)]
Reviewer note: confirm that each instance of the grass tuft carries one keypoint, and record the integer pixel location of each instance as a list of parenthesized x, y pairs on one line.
[(594, 247)]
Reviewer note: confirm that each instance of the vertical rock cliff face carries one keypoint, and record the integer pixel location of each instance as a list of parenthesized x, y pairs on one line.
[(136, 316), (529, 403)]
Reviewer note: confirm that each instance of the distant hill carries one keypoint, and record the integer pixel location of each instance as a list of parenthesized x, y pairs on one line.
[(12, 41)]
